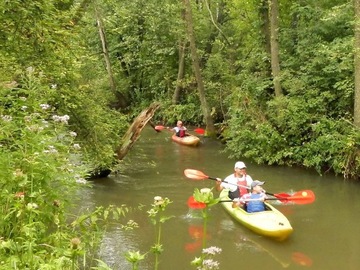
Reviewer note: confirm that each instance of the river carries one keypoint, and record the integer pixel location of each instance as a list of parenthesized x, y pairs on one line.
[(326, 232)]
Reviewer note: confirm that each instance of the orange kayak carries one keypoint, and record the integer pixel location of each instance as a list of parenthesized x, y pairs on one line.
[(190, 140)]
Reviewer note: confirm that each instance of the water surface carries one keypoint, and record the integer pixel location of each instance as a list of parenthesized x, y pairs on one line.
[(326, 232)]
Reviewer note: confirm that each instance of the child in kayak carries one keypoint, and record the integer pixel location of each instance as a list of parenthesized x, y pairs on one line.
[(254, 201)]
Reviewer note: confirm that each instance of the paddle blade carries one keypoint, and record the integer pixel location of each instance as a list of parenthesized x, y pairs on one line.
[(200, 131), (302, 197), (195, 174), (192, 203), (158, 128)]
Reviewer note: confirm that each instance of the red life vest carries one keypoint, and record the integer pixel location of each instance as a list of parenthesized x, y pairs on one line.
[(242, 184), (181, 133)]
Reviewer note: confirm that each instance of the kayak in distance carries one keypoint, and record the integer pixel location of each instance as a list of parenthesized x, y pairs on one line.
[(270, 223), (190, 140)]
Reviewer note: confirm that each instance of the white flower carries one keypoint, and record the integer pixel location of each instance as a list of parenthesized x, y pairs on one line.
[(45, 106), (76, 146), (6, 118), (32, 206), (158, 200), (51, 150), (30, 70), (205, 190), (212, 250), (62, 119), (80, 181), (211, 264)]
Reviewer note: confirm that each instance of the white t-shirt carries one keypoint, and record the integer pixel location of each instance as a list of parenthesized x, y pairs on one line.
[(233, 181), (177, 129)]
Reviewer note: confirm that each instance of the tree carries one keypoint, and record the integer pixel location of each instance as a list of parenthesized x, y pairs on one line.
[(274, 41), (196, 67), (121, 101), (357, 64), (181, 66)]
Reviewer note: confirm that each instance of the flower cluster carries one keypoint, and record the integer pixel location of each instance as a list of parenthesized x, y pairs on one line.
[(62, 119), (206, 262)]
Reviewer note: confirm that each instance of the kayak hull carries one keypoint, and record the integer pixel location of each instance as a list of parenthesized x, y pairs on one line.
[(189, 140), (270, 223)]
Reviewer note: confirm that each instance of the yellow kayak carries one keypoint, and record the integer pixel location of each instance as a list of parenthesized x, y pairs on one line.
[(190, 140), (270, 223)]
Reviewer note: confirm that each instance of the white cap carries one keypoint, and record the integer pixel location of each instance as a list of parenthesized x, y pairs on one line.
[(240, 165)]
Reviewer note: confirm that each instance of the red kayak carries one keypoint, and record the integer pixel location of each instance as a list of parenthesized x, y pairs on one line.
[(189, 140)]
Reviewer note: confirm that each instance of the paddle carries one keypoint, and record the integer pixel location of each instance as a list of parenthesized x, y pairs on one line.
[(300, 197), (194, 204), (200, 131)]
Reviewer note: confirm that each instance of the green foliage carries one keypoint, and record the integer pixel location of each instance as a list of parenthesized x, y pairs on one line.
[(206, 196), (42, 168), (292, 133), (309, 126), (142, 44), (187, 112)]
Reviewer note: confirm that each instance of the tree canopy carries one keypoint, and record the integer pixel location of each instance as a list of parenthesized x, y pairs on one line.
[(104, 61)]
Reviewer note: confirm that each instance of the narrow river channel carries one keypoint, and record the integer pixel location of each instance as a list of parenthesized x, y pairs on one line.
[(326, 232)]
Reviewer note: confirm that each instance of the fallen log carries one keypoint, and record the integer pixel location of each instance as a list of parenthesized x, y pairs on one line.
[(129, 138), (133, 133)]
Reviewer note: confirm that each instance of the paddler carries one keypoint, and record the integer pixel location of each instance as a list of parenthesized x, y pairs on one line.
[(237, 183)]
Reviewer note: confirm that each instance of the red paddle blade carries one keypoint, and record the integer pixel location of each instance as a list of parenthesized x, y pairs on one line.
[(159, 128), (195, 174), (192, 203), (302, 197), (200, 131)]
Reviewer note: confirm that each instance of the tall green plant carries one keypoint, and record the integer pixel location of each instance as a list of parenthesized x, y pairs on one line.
[(157, 217), (206, 260)]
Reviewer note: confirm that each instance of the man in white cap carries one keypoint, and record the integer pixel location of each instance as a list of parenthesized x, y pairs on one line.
[(253, 201), (237, 183)]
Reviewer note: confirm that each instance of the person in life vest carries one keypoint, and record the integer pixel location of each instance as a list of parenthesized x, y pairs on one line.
[(180, 130), (237, 183), (254, 201)]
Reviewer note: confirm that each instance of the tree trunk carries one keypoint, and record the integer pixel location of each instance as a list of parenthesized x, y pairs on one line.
[(265, 27), (181, 71), (265, 30), (210, 129), (217, 21), (120, 98), (357, 64), (274, 30)]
